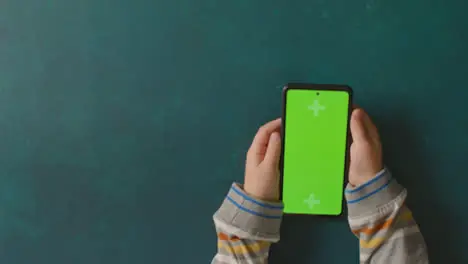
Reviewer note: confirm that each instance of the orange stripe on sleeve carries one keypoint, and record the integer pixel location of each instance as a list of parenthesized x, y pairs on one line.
[(244, 249), (225, 237), (406, 216)]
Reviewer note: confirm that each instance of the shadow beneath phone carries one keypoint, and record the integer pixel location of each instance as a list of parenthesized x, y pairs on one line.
[(403, 154)]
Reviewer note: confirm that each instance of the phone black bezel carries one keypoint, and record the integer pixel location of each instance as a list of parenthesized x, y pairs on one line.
[(315, 87)]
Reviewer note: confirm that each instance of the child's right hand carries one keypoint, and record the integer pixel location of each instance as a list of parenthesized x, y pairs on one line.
[(366, 149)]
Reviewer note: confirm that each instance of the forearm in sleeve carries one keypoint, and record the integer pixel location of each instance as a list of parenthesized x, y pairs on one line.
[(385, 227), (246, 227)]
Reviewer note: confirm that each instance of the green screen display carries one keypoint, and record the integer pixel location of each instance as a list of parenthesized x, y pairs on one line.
[(316, 125)]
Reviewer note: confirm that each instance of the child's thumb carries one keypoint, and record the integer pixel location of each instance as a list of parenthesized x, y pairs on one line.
[(273, 152), (358, 126)]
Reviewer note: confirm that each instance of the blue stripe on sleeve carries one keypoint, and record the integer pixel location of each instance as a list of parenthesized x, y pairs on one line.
[(269, 206), (370, 194), (252, 212), (380, 175)]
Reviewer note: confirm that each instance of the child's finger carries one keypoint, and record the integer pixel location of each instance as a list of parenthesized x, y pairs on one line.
[(359, 131), (259, 144), (273, 151)]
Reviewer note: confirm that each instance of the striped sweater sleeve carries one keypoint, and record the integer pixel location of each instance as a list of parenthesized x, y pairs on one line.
[(384, 225), (246, 227)]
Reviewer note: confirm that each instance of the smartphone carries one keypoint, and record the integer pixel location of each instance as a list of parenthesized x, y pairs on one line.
[(314, 159)]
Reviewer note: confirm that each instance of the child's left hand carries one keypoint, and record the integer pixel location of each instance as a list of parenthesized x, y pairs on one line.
[(262, 165)]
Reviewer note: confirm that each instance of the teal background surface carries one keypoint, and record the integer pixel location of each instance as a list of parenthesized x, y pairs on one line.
[(123, 123)]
